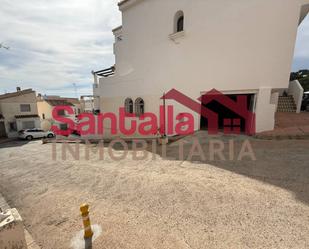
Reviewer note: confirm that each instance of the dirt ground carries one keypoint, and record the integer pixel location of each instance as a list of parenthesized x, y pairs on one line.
[(163, 203), (291, 119)]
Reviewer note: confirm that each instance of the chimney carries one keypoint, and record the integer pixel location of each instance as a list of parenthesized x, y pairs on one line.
[(18, 89)]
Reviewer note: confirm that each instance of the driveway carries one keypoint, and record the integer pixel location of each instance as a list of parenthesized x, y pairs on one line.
[(163, 203)]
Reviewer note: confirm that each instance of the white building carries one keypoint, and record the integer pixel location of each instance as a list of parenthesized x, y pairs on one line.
[(236, 47)]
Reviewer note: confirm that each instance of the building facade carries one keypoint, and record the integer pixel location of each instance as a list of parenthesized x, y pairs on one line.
[(46, 104), (18, 110), (237, 47)]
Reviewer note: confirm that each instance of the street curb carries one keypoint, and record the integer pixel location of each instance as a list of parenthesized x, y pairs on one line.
[(31, 244)]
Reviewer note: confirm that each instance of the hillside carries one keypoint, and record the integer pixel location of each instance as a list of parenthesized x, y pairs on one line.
[(303, 77)]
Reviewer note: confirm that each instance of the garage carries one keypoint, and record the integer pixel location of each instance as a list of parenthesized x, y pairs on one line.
[(227, 108)]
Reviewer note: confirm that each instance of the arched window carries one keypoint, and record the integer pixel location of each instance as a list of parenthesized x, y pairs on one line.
[(139, 107), (128, 105), (179, 20), (180, 24)]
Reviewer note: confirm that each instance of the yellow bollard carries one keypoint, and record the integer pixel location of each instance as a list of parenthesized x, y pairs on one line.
[(86, 221)]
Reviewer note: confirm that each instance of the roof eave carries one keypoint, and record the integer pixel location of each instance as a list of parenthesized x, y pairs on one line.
[(125, 4), (16, 94), (304, 12), (117, 29)]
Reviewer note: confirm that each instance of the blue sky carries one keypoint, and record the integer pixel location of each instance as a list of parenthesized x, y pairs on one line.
[(57, 43)]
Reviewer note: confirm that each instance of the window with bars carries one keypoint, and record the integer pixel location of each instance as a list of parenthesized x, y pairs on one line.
[(25, 108), (128, 106), (139, 107)]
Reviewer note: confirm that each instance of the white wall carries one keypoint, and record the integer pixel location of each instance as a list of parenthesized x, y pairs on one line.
[(297, 91), (227, 45)]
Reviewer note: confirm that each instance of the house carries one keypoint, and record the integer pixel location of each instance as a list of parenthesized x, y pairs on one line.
[(237, 47), (87, 104), (46, 105), (18, 110)]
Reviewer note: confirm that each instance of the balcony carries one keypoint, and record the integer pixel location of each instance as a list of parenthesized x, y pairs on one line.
[(105, 72)]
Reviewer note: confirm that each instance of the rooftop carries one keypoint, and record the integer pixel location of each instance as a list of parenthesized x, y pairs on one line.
[(70, 100), (15, 94), (54, 99), (58, 102)]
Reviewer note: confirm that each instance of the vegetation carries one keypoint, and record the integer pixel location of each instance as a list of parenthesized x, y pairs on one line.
[(303, 77)]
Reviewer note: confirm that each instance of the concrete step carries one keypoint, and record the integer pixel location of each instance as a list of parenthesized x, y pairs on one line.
[(286, 104)]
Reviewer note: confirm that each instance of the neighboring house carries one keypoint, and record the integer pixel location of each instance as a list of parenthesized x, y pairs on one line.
[(237, 47), (18, 110), (87, 104), (76, 104), (46, 105)]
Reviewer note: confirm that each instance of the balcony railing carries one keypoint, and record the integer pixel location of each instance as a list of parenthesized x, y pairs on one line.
[(106, 72)]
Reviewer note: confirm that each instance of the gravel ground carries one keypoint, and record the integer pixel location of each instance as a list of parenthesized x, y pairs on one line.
[(163, 203)]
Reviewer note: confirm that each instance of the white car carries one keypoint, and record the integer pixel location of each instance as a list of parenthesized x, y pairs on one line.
[(30, 134)]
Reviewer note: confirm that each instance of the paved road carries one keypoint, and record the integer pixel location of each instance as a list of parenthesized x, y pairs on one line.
[(159, 203)]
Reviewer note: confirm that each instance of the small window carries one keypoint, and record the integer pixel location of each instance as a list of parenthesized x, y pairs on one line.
[(128, 105), (139, 107), (43, 116), (25, 108), (13, 126), (179, 22)]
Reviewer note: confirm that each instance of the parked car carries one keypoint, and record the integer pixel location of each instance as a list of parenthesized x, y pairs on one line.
[(30, 134), (305, 102)]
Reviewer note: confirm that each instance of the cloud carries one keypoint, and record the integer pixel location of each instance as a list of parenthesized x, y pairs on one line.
[(301, 54), (54, 44)]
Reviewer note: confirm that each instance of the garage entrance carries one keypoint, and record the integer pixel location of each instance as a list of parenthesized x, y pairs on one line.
[(225, 113)]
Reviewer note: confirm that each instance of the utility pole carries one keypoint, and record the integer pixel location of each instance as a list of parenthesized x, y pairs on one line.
[(75, 89)]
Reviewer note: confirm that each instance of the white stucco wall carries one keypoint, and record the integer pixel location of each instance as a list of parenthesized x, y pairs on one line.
[(297, 91), (228, 45)]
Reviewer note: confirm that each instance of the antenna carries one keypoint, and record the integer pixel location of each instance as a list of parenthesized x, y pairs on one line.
[(2, 46)]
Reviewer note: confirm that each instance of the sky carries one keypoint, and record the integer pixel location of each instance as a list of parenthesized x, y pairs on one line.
[(55, 44)]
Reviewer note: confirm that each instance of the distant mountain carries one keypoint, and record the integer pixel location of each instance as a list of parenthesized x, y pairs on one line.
[(303, 77)]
